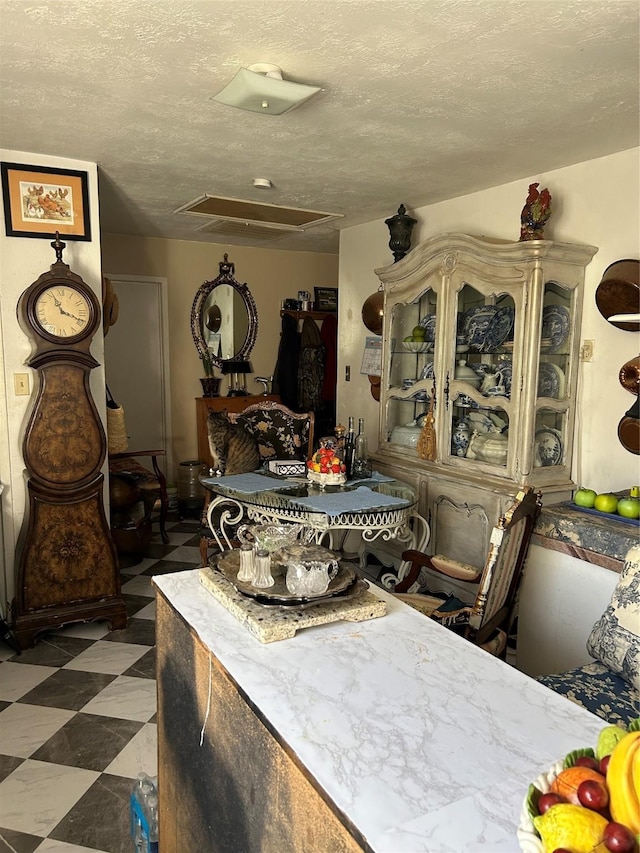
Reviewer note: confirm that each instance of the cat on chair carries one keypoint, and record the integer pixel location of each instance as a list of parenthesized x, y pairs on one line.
[(233, 449)]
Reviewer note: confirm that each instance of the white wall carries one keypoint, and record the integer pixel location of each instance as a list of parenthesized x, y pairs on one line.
[(596, 202), (561, 599), (22, 261)]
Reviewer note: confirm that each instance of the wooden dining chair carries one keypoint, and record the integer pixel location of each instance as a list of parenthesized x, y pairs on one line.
[(486, 621)]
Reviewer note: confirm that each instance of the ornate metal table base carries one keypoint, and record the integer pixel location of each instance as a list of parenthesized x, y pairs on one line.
[(402, 525)]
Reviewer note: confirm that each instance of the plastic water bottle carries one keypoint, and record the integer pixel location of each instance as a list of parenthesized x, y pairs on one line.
[(142, 792), (152, 804)]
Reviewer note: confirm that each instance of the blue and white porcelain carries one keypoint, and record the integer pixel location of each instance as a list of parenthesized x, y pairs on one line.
[(427, 371), (505, 366), (549, 380), (428, 323), (499, 328), (548, 448), (460, 438), (555, 326), (476, 325)]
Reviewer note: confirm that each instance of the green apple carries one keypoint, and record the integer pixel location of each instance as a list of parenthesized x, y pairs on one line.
[(608, 738), (629, 507), (606, 502), (419, 333), (408, 339), (584, 497)]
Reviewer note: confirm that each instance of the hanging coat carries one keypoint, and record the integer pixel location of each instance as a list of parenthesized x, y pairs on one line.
[(329, 335), (310, 367), (285, 374)]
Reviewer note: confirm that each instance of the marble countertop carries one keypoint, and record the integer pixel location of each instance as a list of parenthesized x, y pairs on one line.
[(424, 741)]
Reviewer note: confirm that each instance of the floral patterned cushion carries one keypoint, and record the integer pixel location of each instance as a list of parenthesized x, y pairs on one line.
[(279, 436), (598, 690), (615, 638)]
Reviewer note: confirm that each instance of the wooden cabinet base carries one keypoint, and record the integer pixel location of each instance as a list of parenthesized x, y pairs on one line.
[(237, 787), (27, 626)]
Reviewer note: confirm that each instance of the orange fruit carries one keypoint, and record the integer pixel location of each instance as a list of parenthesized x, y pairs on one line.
[(567, 781)]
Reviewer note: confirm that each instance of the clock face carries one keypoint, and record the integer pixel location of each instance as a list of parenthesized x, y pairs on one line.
[(63, 311)]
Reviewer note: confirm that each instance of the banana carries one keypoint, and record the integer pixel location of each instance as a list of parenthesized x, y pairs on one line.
[(623, 781)]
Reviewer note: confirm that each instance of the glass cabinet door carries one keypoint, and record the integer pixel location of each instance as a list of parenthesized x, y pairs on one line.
[(554, 366), (411, 369), (480, 378)]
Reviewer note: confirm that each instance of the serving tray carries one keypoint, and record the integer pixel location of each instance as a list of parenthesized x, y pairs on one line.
[(228, 564), (269, 624)]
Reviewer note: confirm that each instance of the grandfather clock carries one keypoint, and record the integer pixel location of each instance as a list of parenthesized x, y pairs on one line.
[(67, 565)]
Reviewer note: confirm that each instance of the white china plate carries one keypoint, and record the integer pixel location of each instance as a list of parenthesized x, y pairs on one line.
[(548, 448), (528, 838), (555, 325), (417, 346)]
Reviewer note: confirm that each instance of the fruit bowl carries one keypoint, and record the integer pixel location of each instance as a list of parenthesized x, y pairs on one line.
[(528, 838), (589, 801), (416, 346), (329, 479)]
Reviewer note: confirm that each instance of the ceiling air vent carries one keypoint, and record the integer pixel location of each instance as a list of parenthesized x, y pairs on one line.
[(227, 228), (269, 216)]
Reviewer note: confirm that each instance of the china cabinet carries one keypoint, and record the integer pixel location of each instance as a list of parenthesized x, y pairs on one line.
[(492, 329)]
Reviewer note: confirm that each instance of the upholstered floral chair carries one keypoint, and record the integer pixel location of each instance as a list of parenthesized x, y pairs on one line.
[(280, 433), (610, 686)]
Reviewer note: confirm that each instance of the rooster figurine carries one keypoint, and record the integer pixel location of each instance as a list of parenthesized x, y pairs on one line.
[(535, 213)]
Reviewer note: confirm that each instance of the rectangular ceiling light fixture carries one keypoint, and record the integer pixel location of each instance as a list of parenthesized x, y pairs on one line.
[(258, 213)]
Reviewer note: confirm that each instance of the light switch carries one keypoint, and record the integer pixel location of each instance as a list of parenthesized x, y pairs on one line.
[(21, 384)]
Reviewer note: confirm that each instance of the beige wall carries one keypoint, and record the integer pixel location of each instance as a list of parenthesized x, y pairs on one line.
[(596, 202), (271, 276)]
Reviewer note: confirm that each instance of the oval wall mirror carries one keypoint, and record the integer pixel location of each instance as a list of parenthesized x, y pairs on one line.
[(224, 319)]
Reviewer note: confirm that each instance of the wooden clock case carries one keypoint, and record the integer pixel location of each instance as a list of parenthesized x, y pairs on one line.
[(67, 568)]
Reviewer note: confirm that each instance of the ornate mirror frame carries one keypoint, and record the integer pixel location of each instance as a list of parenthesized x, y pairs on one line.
[(226, 276)]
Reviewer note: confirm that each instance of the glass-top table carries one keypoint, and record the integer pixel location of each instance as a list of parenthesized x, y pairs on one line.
[(379, 508)]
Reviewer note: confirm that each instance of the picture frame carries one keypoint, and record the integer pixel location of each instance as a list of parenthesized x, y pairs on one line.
[(326, 298), (40, 201)]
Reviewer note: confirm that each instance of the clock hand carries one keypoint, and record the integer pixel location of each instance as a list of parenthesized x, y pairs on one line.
[(73, 316)]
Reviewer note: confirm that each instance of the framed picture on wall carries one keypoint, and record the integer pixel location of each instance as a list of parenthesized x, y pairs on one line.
[(39, 201), (326, 298)]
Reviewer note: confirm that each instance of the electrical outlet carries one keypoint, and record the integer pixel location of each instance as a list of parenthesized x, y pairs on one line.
[(586, 351), (21, 384)]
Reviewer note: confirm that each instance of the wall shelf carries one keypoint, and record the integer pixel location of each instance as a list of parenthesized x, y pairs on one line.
[(301, 315)]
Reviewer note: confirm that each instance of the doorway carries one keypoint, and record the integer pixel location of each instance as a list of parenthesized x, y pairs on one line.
[(137, 363)]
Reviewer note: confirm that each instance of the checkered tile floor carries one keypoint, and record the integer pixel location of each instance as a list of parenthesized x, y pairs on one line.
[(78, 719)]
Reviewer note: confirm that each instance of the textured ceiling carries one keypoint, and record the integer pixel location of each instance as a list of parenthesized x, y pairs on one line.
[(422, 100)]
